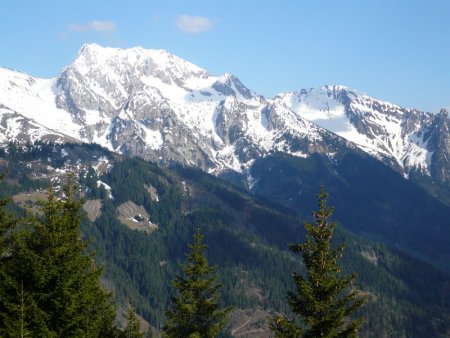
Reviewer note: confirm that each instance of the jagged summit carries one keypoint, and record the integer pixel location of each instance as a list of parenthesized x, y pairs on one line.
[(137, 52), (149, 62), (126, 66), (115, 74), (153, 104), (399, 136)]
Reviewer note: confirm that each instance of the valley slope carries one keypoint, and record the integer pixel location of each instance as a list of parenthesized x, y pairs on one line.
[(247, 238)]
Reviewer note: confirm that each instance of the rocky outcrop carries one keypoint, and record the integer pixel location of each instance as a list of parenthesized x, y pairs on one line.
[(405, 139), (152, 104), (439, 144)]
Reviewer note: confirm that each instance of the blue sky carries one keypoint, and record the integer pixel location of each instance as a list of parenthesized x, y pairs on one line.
[(395, 50)]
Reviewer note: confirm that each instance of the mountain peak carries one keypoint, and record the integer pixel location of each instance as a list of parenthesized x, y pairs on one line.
[(88, 48), (94, 48), (151, 103), (387, 131), (135, 59)]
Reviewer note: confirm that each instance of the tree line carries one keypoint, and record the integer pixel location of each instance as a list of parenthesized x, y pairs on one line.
[(50, 285)]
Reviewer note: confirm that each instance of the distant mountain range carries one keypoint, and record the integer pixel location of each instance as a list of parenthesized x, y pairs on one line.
[(152, 104)]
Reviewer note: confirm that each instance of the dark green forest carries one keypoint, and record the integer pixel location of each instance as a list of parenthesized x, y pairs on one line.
[(370, 199), (247, 238)]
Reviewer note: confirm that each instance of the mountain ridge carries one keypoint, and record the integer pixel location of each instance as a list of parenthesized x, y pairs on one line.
[(387, 131), (153, 104)]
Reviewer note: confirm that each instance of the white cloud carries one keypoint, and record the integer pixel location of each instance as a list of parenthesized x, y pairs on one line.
[(96, 26), (194, 24)]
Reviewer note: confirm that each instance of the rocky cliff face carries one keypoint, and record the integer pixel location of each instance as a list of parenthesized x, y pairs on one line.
[(16, 127), (152, 104), (439, 135), (402, 138)]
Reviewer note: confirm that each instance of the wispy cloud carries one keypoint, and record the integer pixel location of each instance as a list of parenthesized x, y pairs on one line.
[(96, 26), (194, 24)]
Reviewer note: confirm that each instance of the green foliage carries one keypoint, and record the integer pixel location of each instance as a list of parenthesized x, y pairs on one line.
[(196, 311), (285, 328), (7, 223), (370, 199), (249, 246), (436, 188), (53, 285), (406, 297), (133, 324), (324, 299), (12, 295)]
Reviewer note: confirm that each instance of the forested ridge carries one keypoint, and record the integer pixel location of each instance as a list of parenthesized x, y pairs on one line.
[(247, 239)]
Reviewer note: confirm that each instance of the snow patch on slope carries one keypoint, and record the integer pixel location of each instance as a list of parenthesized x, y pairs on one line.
[(377, 127), (150, 102), (34, 98)]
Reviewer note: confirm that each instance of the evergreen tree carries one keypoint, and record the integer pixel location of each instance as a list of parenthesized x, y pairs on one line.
[(324, 299), (133, 326), (60, 284), (12, 295), (7, 223), (196, 312)]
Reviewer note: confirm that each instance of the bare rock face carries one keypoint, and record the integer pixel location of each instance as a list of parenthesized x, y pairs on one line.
[(152, 104), (404, 139), (439, 135), (18, 128)]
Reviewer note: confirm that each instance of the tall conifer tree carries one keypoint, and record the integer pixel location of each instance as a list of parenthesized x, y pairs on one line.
[(324, 299), (13, 305), (133, 324), (196, 311), (60, 282)]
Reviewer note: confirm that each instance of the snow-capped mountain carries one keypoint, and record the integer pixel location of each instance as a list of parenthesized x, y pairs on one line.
[(403, 138), (24, 110), (152, 104)]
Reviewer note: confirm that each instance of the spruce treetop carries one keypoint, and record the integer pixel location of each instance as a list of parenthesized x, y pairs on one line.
[(196, 311), (324, 299)]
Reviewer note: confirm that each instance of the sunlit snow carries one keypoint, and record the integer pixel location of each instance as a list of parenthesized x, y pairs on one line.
[(128, 85)]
